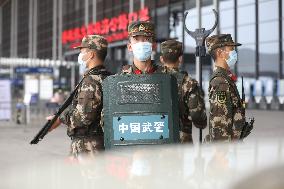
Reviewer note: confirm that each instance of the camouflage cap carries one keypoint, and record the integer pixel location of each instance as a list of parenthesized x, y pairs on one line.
[(94, 42), (144, 28), (222, 40), (171, 47)]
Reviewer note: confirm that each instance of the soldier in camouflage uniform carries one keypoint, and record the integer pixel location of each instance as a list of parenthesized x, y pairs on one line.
[(141, 42), (83, 116), (226, 111), (191, 102)]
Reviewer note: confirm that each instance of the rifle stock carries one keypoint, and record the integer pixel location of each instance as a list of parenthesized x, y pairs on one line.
[(40, 135), (248, 126), (44, 130)]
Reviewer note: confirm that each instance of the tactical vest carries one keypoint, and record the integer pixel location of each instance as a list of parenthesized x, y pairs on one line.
[(235, 91), (180, 77), (230, 82), (93, 129)]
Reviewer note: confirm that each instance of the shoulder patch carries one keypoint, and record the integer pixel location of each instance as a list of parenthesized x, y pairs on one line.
[(221, 97), (217, 81)]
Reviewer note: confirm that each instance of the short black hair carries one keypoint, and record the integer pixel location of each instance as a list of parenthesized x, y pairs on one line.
[(213, 53), (171, 57), (101, 54)]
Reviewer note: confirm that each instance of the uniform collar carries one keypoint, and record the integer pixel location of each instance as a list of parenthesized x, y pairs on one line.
[(136, 71), (99, 67), (232, 76), (169, 69)]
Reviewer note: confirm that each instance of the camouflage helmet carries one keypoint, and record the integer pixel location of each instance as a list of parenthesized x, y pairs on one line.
[(144, 28), (217, 41), (171, 48), (94, 42)]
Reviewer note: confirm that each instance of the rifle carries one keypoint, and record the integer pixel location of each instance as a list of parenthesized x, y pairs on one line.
[(243, 94), (39, 136), (248, 126)]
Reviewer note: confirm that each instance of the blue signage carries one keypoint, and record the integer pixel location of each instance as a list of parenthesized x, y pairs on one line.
[(139, 127), (18, 82), (34, 70)]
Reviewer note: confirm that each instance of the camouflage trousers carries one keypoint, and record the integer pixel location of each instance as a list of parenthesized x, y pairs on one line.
[(88, 146), (185, 138)]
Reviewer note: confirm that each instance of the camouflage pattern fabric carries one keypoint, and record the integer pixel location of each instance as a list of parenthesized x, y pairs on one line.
[(171, 48), (217, 41), (85, 110), (132, 69), (191, 104), (226, 111), (143, 28), (94, 42), (87, 146)]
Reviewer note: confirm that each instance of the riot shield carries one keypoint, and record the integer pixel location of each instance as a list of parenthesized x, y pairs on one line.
[(140, 110)]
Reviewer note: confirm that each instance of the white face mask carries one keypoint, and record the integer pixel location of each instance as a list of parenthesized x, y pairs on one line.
[(83, 64), (142, 51), (82, 69), (233, 58)]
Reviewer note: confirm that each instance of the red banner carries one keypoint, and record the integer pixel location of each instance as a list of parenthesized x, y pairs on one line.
[(114, 29)]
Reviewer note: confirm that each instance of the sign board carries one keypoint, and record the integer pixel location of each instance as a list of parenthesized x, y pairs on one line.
[(45, 87), (114, 29), (34, 70), (140, 110), (141, 127), (5, 100), (31, 84)]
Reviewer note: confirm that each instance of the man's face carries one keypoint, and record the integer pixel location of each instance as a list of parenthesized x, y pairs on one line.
[(87, 54), (140, 38), (223, 53)]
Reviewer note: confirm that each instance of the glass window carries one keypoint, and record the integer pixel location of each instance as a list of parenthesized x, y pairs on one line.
[(246, 34), (246, 14), (245, 2), (268, 58), (268, 10), (246, 63), (6, 31), (282, 37), (228, 31), (283, 65), (23, 28), (44, 29), (228, 4), (226, 15), (162, 29), (149, 3), (226, 18), (208, 18), (268, 31), (191, 23), (176, 21)]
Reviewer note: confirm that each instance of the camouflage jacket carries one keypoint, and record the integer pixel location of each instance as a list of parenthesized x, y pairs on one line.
[(226, 110), (85, 110), (191, 101), (132, 69)]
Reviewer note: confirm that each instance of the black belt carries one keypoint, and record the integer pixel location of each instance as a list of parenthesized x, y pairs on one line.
[(86, 133)]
